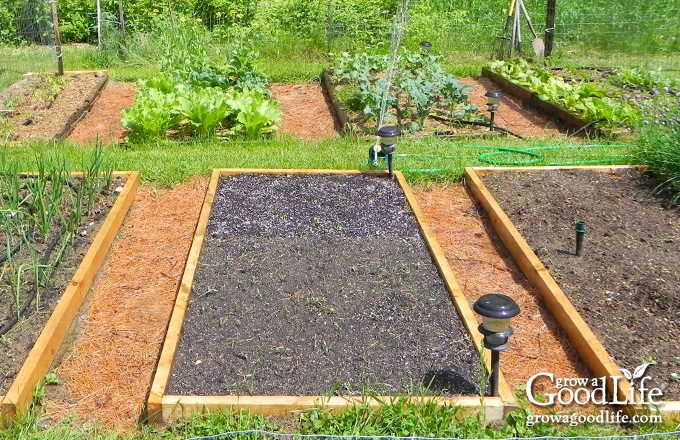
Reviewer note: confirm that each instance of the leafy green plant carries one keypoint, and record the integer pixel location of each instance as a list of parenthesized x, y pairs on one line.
[(204, 109), (584, 99), (190, 110), (243, 74), (198, 92), (419, 87), (256, 114), (642, 79), (152, 114)]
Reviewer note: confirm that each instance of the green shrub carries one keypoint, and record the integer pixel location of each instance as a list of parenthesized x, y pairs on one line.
[(77, 21), (659, 143)]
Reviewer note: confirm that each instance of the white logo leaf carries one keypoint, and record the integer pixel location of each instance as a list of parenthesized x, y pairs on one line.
[(626, 373), (640, 370)]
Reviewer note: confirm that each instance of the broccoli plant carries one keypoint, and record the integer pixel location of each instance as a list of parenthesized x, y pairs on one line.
[(419, 86)]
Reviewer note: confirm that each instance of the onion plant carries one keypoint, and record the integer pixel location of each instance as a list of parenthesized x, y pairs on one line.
[(39, 215)]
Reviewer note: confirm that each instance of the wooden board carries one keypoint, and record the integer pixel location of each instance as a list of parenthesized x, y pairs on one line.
[(41, 356), (338, 112), (163, 408), (83, 109), (587, 345), (174, 407)]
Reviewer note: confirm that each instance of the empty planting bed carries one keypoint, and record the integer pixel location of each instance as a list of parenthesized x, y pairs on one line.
[(617, 298), (314, 284)]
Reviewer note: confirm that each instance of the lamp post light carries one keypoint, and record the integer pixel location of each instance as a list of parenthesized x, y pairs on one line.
[(385, 147), (425, 45), (496, 311), (492, 101)]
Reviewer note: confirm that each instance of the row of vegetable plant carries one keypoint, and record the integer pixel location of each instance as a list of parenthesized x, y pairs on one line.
[(618, 98), (585, 99), (40, 216), (419, 87), (200, 93)]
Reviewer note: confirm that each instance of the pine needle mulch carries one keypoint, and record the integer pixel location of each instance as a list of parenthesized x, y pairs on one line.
[(107, 370), (482, 265)]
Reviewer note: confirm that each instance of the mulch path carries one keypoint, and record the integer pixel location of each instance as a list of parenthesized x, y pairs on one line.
[(106, 371), (482, 265), (104, 123)]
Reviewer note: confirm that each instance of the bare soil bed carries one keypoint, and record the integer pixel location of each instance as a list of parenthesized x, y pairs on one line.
[(625, 282), (45, 107), (310, 285)]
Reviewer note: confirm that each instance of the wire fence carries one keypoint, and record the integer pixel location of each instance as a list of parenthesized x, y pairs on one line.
[(26, 39), (597, 33), (592, 33), (585, 33)]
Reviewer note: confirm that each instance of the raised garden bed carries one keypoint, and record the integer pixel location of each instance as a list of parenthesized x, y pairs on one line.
[(47, 107), (590, 100), (307, 284), (437, 122), (617, 300), (43, 333), (564, 118)]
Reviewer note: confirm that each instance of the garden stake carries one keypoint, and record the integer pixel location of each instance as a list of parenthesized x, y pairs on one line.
[(580, 232)]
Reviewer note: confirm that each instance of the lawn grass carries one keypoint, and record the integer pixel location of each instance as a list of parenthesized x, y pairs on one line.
[(424, 160), (399, 418)]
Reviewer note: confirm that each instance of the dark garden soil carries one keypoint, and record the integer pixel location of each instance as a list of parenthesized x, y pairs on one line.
[(310, 285), (21, 337), (625, 282)]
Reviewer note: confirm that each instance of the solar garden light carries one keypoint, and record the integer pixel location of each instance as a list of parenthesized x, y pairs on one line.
[(492, 101), (496, 311), (385, 146), (580, 232), (425, 45)]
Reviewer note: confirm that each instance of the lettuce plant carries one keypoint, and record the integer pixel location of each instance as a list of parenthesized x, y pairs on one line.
[(204, 109), (185, 106), (152, 115), (256, 114), (587, 100)]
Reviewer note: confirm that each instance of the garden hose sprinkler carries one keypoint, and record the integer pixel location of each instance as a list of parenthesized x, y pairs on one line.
[(580, 232), (385, 146)]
